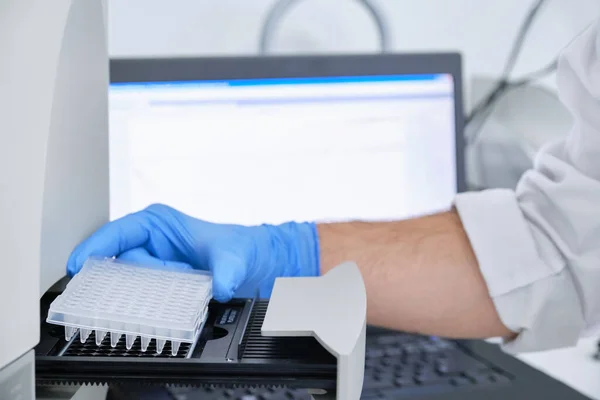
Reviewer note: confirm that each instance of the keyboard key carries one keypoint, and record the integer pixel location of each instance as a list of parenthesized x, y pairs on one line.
[(387, 339), (430, 348), (371, 363), (404, 381), (374, 353), (393, 351), (380, 370), (386, 362), (460, 362), (485, 377), (442, 367), (376, 382), (412, 349), (428, 377)]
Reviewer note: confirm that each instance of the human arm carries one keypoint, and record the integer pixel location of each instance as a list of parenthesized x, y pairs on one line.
[(420, 275)]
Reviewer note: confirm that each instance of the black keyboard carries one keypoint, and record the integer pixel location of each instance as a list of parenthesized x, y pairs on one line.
[(397, 365)]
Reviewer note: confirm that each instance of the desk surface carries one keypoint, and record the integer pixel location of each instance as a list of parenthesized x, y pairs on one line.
[(575, 366)]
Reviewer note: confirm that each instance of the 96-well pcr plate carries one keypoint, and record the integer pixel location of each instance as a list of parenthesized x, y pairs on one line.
[(111, 297)]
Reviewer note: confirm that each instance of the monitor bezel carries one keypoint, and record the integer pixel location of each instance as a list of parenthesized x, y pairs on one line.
[(141, 70)]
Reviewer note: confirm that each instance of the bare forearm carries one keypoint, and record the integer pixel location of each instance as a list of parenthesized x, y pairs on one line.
[(421, 275)]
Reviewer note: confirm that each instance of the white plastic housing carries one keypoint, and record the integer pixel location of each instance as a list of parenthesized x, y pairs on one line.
[(54, 151), (333, 309)]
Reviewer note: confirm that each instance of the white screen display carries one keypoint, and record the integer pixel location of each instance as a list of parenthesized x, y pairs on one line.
[(276, 150)]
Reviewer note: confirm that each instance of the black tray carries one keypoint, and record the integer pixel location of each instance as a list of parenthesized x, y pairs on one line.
[(229, 352)]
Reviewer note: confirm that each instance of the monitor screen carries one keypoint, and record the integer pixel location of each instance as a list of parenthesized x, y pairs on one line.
[(367, 148)]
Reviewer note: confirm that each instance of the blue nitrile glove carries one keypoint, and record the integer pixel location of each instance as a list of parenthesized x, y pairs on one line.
[(243, 259)]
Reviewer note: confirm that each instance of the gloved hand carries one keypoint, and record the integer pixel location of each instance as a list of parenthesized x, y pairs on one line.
[(242, 259)]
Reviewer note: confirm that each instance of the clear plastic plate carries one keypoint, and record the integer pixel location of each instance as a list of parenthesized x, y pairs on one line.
[(111, 297)]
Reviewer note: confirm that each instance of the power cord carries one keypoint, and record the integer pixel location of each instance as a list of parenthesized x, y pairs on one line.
[(281, 7), (484, 109)]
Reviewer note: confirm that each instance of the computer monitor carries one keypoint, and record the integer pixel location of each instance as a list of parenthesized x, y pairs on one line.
[(253, 140)]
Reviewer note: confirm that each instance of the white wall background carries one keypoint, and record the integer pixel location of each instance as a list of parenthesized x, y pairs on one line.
[(482, 30)]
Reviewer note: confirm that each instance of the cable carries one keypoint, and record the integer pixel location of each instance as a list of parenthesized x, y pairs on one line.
[(511, 61), (271, 21), (485, 107), (382, 30), (281, 7), (504, 90), (539, 74), (521, 36)]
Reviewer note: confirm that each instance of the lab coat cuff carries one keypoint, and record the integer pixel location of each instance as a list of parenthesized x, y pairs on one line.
[(547, 314), (527, 294), (501, 240), (507, 255)]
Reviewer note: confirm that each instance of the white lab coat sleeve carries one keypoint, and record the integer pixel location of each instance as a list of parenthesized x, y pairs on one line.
[(538, 247)]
